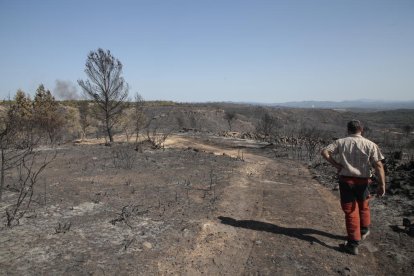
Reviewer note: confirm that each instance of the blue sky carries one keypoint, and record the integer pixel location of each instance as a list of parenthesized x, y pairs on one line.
[(216, 50)]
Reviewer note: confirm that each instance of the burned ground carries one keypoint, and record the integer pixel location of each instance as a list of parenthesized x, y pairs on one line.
[(204, 205), (120, 219), (208, 203)]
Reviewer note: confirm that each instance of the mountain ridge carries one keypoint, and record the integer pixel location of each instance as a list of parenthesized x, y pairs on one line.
[(351, 104)]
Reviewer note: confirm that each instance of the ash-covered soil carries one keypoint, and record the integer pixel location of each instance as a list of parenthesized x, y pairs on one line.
[(122, 220), (204, 205)]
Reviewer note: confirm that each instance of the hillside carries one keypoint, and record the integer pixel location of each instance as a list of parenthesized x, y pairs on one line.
[(206, 201)]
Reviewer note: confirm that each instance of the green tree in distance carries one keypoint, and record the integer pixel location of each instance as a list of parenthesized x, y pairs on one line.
[(46, 113)]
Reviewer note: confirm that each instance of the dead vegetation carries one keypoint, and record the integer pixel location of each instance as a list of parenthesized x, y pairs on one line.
[(127, 212), (62, 228), (134, 201), (28, 172), (123, 156)]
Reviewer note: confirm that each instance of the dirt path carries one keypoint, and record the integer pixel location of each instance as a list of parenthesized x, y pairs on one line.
[(274, 219)]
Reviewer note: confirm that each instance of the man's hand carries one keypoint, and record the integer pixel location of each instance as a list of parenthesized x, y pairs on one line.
[(381, 190)]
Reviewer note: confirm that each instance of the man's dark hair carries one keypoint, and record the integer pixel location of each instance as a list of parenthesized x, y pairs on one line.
[(355, 126)]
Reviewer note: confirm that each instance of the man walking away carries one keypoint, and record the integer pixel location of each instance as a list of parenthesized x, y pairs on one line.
[(354, 158)]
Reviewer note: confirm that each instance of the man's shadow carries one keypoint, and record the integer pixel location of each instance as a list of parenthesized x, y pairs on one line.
[(298, 233)]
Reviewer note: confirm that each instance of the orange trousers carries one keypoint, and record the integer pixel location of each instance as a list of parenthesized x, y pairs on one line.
[(354, 201), (357, 215)]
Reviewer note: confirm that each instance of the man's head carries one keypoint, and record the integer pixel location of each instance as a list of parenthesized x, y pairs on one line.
[(355, 127)]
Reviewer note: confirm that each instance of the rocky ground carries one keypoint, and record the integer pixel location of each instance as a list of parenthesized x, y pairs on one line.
[(203, 205)]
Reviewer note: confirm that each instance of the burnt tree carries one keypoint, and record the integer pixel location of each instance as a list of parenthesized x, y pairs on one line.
[(83, 107), (106, 87), (267, 127), (230, 116), (138, 116)]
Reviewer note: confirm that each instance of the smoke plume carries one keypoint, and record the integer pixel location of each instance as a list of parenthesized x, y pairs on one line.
[(65, 90)]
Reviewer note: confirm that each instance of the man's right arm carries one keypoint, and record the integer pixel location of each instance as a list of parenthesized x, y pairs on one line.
[(379, 169), (328, 157)]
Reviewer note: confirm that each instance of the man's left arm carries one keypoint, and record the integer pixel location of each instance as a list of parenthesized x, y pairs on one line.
[(376, 161), (379, 169)]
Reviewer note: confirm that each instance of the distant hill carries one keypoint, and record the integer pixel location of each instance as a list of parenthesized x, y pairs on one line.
[(351, 105)]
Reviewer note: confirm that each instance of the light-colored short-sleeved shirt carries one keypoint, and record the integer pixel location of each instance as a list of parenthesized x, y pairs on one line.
[(356, 154)]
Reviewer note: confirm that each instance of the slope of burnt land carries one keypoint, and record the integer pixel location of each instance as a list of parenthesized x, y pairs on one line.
[(96, 212), (203, 204)]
